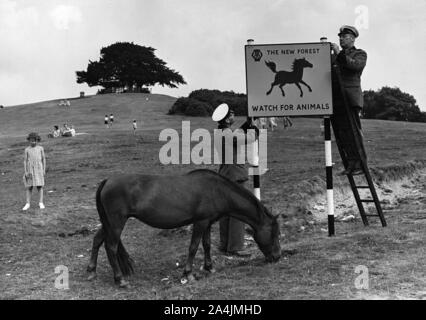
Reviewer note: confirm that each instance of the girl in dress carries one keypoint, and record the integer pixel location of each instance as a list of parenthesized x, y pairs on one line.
[(35, 169)]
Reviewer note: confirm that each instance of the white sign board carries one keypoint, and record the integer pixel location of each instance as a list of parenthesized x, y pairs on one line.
[(289, 79)]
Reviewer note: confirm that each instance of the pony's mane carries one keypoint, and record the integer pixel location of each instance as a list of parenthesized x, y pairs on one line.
[(295, 63), (235, 187)]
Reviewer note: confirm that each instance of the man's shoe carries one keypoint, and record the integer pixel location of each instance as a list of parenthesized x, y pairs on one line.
[(240, 253), (357, 172), (353, 166), (26, 207), (41, 205), (353, 171), (345, 172)]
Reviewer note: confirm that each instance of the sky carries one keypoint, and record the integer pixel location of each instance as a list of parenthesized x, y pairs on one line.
[(43, 42)]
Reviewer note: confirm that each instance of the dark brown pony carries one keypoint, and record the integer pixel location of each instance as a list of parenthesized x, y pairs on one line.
[(200, 198)]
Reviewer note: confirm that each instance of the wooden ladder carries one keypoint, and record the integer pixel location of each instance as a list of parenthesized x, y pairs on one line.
[(369, 182)]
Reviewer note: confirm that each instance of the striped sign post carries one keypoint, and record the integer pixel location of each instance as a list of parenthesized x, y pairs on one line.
[(329, 176), (255, 156), (256, 176)]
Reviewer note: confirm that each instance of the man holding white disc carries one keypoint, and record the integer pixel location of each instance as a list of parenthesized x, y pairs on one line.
[(232, 230)]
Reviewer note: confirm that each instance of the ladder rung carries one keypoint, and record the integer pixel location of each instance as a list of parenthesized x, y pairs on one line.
[(362, 187), (367, 200), (372, 215)]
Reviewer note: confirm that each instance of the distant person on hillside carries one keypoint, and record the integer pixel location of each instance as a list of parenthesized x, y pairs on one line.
[(135, 126), (34, 169), (64, 129), (111, 119), (69, 132), (260, 123), (106, 121), (55, 132), (272, 122), (72, 130), (287, 122)]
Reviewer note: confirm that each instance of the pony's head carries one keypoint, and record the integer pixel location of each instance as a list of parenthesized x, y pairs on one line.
[(267, 237), (302, 63)]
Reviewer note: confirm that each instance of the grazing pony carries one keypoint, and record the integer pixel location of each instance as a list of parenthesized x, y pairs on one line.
[(200, 197), (295, 76)]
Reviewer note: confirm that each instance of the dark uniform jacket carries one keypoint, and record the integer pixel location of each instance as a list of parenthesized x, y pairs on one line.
[(235, 171), (351, 63)]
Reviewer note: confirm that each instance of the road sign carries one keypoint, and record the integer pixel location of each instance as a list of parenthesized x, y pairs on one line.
[(289, 79)]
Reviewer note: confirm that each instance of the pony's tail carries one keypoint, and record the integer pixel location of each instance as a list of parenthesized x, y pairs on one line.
[(101, 210), (271, 65), (125, 262)]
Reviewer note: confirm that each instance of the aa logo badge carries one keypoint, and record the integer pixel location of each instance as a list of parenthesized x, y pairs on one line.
[(257, 55)]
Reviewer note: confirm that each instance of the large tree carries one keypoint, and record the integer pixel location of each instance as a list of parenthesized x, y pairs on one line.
[(391, 104), (127, 65)]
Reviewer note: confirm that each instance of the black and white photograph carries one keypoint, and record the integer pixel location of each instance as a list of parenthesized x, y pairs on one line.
[(212, 156)]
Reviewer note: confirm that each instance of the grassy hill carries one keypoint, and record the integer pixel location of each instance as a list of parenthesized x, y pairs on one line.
[(86, 114), (35, 242)]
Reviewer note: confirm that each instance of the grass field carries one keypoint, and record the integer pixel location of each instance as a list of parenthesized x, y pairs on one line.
[(313, 266)]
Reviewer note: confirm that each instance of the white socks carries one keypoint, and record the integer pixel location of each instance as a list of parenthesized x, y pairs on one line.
[(27, 206)]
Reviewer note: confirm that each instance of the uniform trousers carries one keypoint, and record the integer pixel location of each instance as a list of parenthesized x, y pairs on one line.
[(232, 232), (342, 130)]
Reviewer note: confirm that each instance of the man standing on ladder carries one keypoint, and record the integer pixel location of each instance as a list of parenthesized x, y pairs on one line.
[(351, 62)]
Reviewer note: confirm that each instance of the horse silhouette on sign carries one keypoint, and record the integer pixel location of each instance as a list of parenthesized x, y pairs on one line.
[(295, 76)]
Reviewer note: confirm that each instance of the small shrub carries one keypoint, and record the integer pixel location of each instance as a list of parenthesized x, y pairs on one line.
[(191, 107), (202, 102), (197, 110)]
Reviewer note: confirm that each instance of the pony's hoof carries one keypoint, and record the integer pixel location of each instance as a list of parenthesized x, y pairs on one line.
[(209, 269), (190, 277), (187, 278), (124, 284), (92, 276)]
